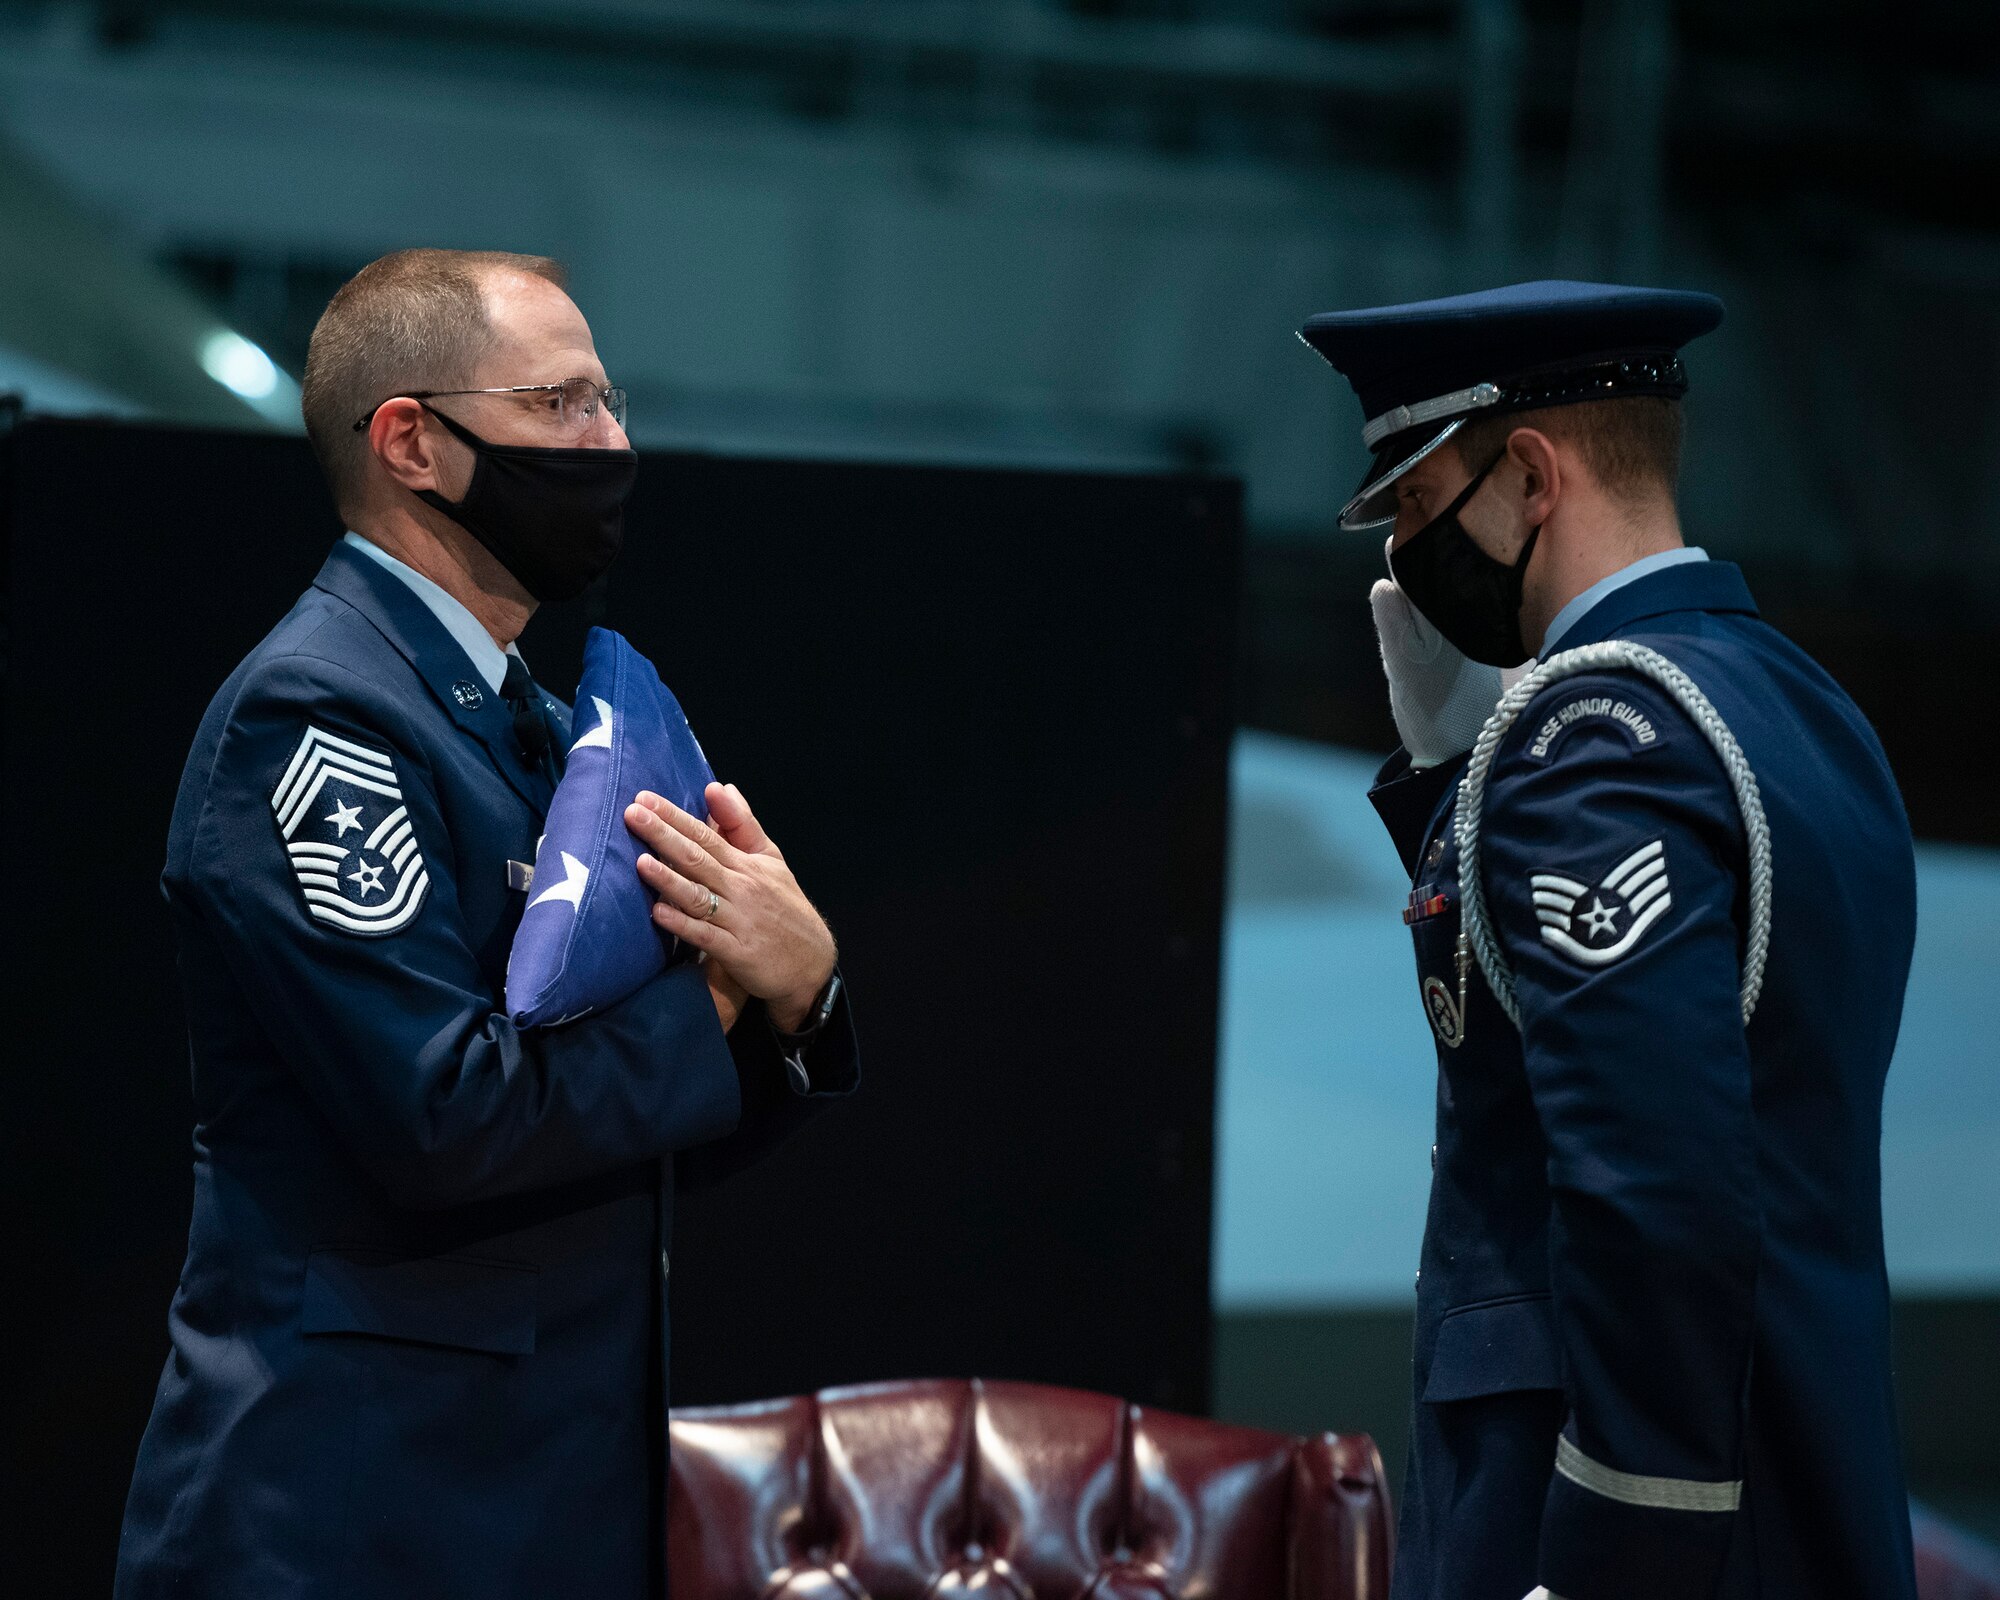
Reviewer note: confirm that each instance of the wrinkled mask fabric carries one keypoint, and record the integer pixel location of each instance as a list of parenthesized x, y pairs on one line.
[(554, 518), (1470, 598)]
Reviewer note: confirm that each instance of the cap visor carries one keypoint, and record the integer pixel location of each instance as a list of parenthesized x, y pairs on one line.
[(1374, 501)]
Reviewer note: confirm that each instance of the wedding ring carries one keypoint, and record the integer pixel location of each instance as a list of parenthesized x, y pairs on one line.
[(714, 905)]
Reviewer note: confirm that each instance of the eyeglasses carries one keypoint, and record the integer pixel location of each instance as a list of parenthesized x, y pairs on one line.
[(575, 401)]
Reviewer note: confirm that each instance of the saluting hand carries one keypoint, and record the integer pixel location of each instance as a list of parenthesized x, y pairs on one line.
[(1439, 700), (724, 887)]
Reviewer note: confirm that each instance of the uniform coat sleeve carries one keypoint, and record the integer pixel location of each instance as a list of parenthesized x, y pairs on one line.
[(395, 1036), (1640, 1074)]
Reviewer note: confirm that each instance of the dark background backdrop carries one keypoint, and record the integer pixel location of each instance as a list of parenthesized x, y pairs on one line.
[(987, 715)]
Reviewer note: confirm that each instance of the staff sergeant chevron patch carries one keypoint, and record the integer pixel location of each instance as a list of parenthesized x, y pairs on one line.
[(348, 833), (1597, 926)]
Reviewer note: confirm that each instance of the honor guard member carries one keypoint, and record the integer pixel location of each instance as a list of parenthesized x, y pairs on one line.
[(1663, 904), (419, 1346)]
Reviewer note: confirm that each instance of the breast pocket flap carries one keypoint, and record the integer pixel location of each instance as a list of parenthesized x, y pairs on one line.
[(1495, 1349), (445, 1300)]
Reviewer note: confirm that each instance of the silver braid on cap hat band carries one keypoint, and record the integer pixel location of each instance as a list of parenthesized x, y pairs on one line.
[(1476, 932), (1619, 376)]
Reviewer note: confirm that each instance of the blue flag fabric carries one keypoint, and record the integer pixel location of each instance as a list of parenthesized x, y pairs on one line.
[(587, 938)]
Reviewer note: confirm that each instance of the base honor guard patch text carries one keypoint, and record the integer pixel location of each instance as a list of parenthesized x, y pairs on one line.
[(348, 833), (1637, 725), (1597, 926)]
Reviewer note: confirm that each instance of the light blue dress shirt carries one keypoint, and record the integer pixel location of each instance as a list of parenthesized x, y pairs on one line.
[(461, 624), (1570, 614)]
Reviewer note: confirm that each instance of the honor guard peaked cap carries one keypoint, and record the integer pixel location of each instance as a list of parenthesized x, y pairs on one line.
[(1421, 370)]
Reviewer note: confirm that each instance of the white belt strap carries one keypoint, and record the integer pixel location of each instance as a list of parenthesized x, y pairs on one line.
[(1475, 931)]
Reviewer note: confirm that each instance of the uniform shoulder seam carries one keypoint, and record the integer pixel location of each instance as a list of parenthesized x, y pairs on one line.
[(371, 695)]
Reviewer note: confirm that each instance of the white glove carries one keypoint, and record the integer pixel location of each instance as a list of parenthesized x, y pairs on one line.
[(1439, 699)]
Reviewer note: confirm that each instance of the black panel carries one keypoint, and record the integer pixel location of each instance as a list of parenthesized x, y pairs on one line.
[(985, 713), (142, 564), (986, 717)]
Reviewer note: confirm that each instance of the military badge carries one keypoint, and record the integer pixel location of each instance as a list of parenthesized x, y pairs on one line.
[(1598, 925), (348, 833), (1447, 1021)]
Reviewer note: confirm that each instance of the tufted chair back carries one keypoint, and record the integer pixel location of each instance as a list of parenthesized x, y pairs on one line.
[(1014, 1491)]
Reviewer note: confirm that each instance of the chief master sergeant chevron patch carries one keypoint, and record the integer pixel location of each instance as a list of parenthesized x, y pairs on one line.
[(349, 836)]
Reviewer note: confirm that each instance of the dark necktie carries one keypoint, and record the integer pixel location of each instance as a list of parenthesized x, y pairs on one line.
[(534, 730)]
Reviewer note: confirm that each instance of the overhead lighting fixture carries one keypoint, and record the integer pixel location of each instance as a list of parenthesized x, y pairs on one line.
[(245, 371), (235, 363)]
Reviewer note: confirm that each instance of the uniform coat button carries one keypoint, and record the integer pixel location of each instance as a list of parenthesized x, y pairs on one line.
[(1434, 1158)]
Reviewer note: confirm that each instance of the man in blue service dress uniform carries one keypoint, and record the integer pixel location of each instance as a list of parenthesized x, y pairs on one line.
[(419, 1346), (1663, 912)]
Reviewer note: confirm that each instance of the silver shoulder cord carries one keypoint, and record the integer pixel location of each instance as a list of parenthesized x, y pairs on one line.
[(1475, 935)]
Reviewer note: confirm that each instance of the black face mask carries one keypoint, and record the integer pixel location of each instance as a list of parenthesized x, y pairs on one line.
[(553, 518), (1470, 598)]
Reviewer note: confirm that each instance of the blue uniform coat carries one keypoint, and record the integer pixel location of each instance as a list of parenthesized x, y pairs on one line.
[(1652, 1352), (419, 1346)]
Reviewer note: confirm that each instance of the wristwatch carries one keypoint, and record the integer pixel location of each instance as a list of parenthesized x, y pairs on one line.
[(794, 1044)]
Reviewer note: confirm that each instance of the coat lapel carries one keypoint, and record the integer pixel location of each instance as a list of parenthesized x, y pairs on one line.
[(447, 671)]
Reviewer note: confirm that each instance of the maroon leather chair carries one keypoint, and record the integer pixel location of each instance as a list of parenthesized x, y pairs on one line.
[(1013, 1491)]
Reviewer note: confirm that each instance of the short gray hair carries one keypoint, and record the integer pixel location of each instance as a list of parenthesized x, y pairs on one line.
[(416, 319)]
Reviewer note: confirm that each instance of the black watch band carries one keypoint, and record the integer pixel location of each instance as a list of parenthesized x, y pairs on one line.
[(816, 1018), (794, 1044)]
